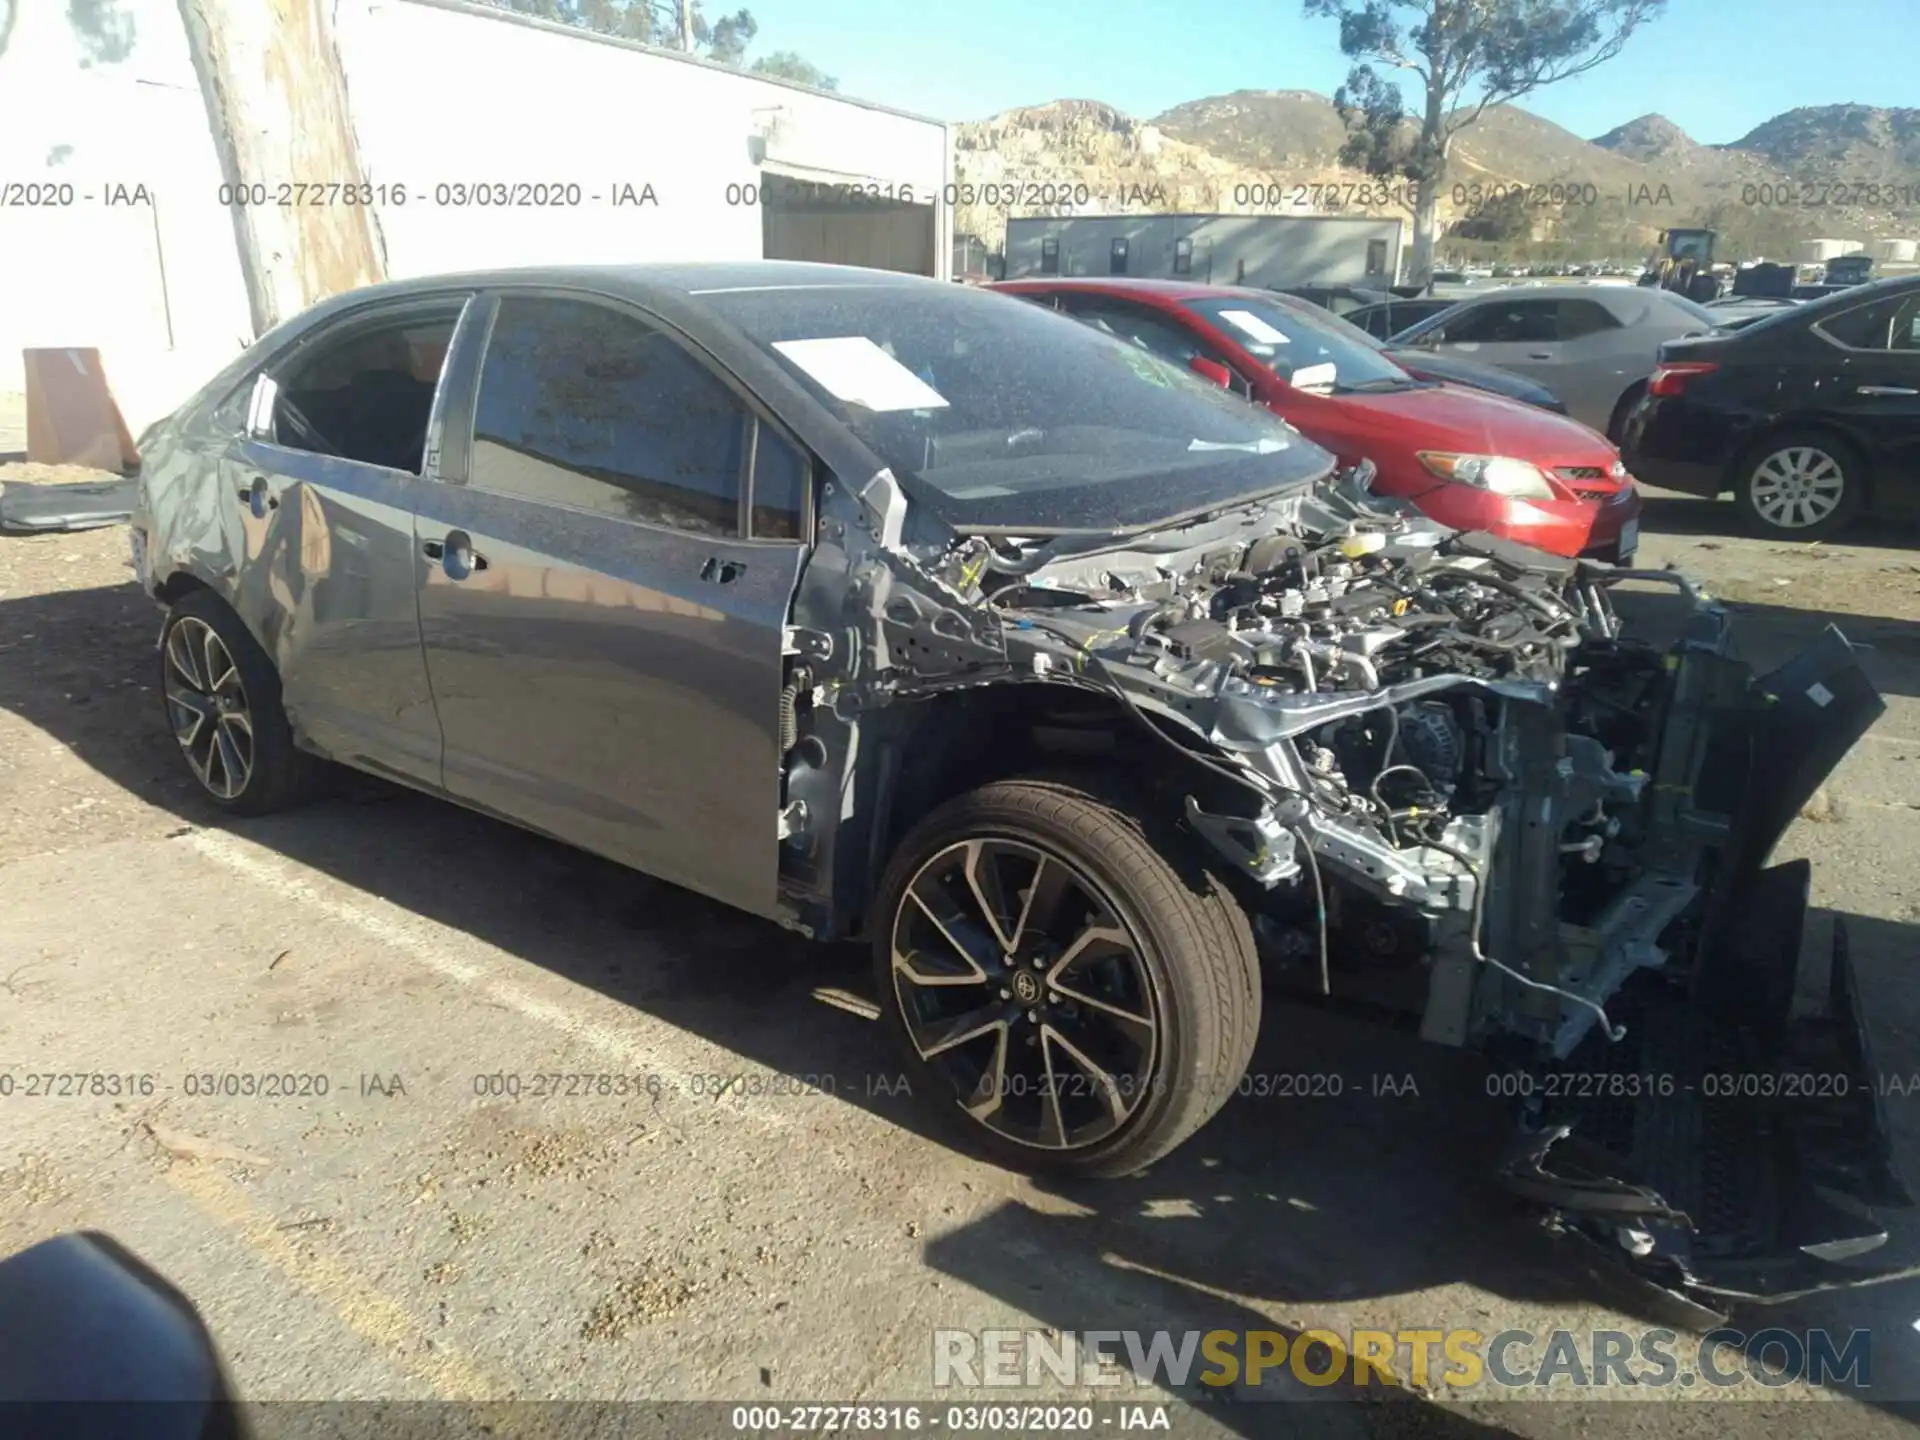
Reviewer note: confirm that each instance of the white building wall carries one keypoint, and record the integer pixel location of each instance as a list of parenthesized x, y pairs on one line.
[(154, 285), (440, 93), (510, 101)]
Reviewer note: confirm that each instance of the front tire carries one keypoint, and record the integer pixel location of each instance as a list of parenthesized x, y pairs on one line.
[(1078, 993), (222, 699), (1801, 485)]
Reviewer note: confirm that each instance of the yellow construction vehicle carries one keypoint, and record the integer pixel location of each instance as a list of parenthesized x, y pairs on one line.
[(1687, 266)]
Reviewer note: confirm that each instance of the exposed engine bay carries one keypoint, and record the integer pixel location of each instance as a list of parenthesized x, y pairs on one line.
[(1460, 791), (1394, 699)]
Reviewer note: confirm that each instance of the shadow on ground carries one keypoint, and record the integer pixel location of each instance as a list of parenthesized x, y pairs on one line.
[(1665, 513), (1377, 1188)]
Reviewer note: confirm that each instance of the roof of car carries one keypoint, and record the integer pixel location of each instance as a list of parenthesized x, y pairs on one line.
[(681, 278), (1122, 284)]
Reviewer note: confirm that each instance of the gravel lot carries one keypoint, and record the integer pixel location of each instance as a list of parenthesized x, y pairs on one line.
[(772, 1223)]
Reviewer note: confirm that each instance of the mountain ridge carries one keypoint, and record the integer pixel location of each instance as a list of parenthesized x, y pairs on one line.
[(1517, 180)]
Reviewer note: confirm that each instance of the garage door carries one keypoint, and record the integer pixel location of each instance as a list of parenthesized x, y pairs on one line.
[(800, 221)]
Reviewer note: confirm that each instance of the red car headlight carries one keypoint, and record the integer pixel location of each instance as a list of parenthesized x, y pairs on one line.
[(1501, 474)]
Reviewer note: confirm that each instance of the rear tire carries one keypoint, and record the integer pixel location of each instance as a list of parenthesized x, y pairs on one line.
[(221, 696), (1093, 1038), (1617, 422), (1800, 485)]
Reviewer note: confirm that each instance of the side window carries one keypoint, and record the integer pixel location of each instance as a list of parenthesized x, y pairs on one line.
[(1150, 333), (1584, 317), (1183, 256), (1889, 324), (1524, 322), (366, 395), (1376, 257), (781, 475), (583, 405), (1050, 257), (1173, 343), (1117, 256), (1376, 320)]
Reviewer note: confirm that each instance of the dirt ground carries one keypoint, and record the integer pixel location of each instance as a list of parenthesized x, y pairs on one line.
[(766, 1217)]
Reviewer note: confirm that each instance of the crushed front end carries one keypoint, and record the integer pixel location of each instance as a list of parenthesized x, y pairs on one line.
[(1460, 791)]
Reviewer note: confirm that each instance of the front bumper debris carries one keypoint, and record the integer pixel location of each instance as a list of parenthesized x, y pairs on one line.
[(1732, 1147), (1712, 1163)]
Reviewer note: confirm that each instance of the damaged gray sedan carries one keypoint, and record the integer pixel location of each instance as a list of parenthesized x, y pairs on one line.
[(1081, 690)]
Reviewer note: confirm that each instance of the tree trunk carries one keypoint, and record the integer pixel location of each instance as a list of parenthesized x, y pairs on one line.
[(277, 106), (1426, 219), (686, 26), (1434, 145)]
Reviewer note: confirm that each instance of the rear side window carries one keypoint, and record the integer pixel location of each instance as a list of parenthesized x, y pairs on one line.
[(1376, 320), (1889, 324), (365, 394), (1584, 317), (587, 406)]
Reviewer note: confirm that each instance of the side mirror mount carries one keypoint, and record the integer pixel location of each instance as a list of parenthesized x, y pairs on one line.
[(1211, 370)]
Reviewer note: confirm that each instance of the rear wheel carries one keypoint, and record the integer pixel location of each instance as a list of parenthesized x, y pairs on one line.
[(1076, 996), (1800, 486), (1617, 422), (222, 698)]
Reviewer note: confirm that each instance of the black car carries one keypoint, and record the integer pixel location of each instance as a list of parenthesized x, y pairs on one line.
[(1342, 300), (1453, 370), (1809, 417), (1388, 318)]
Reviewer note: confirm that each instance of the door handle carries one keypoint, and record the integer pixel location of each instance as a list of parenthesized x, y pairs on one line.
[(256, 497), (1887, 390), (1539, 355), (721, 572), (455, 553)]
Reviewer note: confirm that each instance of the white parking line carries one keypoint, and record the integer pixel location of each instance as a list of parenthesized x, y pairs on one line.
[(632, 1052)]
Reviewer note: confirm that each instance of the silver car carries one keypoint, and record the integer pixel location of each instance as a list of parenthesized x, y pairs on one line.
[(1592, 345), (900, 611)]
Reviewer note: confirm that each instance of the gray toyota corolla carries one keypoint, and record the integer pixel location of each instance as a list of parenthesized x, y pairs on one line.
[(891, 609)]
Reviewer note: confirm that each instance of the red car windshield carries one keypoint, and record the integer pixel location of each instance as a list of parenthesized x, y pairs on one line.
[(1302, 348)]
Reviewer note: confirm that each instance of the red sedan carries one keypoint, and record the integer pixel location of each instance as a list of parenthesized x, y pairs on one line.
[(1469, 459)]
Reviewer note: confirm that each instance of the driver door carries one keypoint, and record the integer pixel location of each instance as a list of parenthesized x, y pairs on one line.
[(1518, 335)]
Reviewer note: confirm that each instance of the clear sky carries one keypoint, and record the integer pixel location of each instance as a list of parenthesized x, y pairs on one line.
[(1716, 68)]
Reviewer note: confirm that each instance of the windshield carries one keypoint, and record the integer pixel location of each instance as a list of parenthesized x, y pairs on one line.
[(1014, 417), (1307, 347)]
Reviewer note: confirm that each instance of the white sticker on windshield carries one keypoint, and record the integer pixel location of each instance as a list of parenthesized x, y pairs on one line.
[(1309, 377), (1265, 445), (1251, 324), (854, 369)]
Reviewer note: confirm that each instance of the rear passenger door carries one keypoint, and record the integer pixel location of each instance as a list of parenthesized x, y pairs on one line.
[(321, 480), (1874, 392), (604, 574)]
